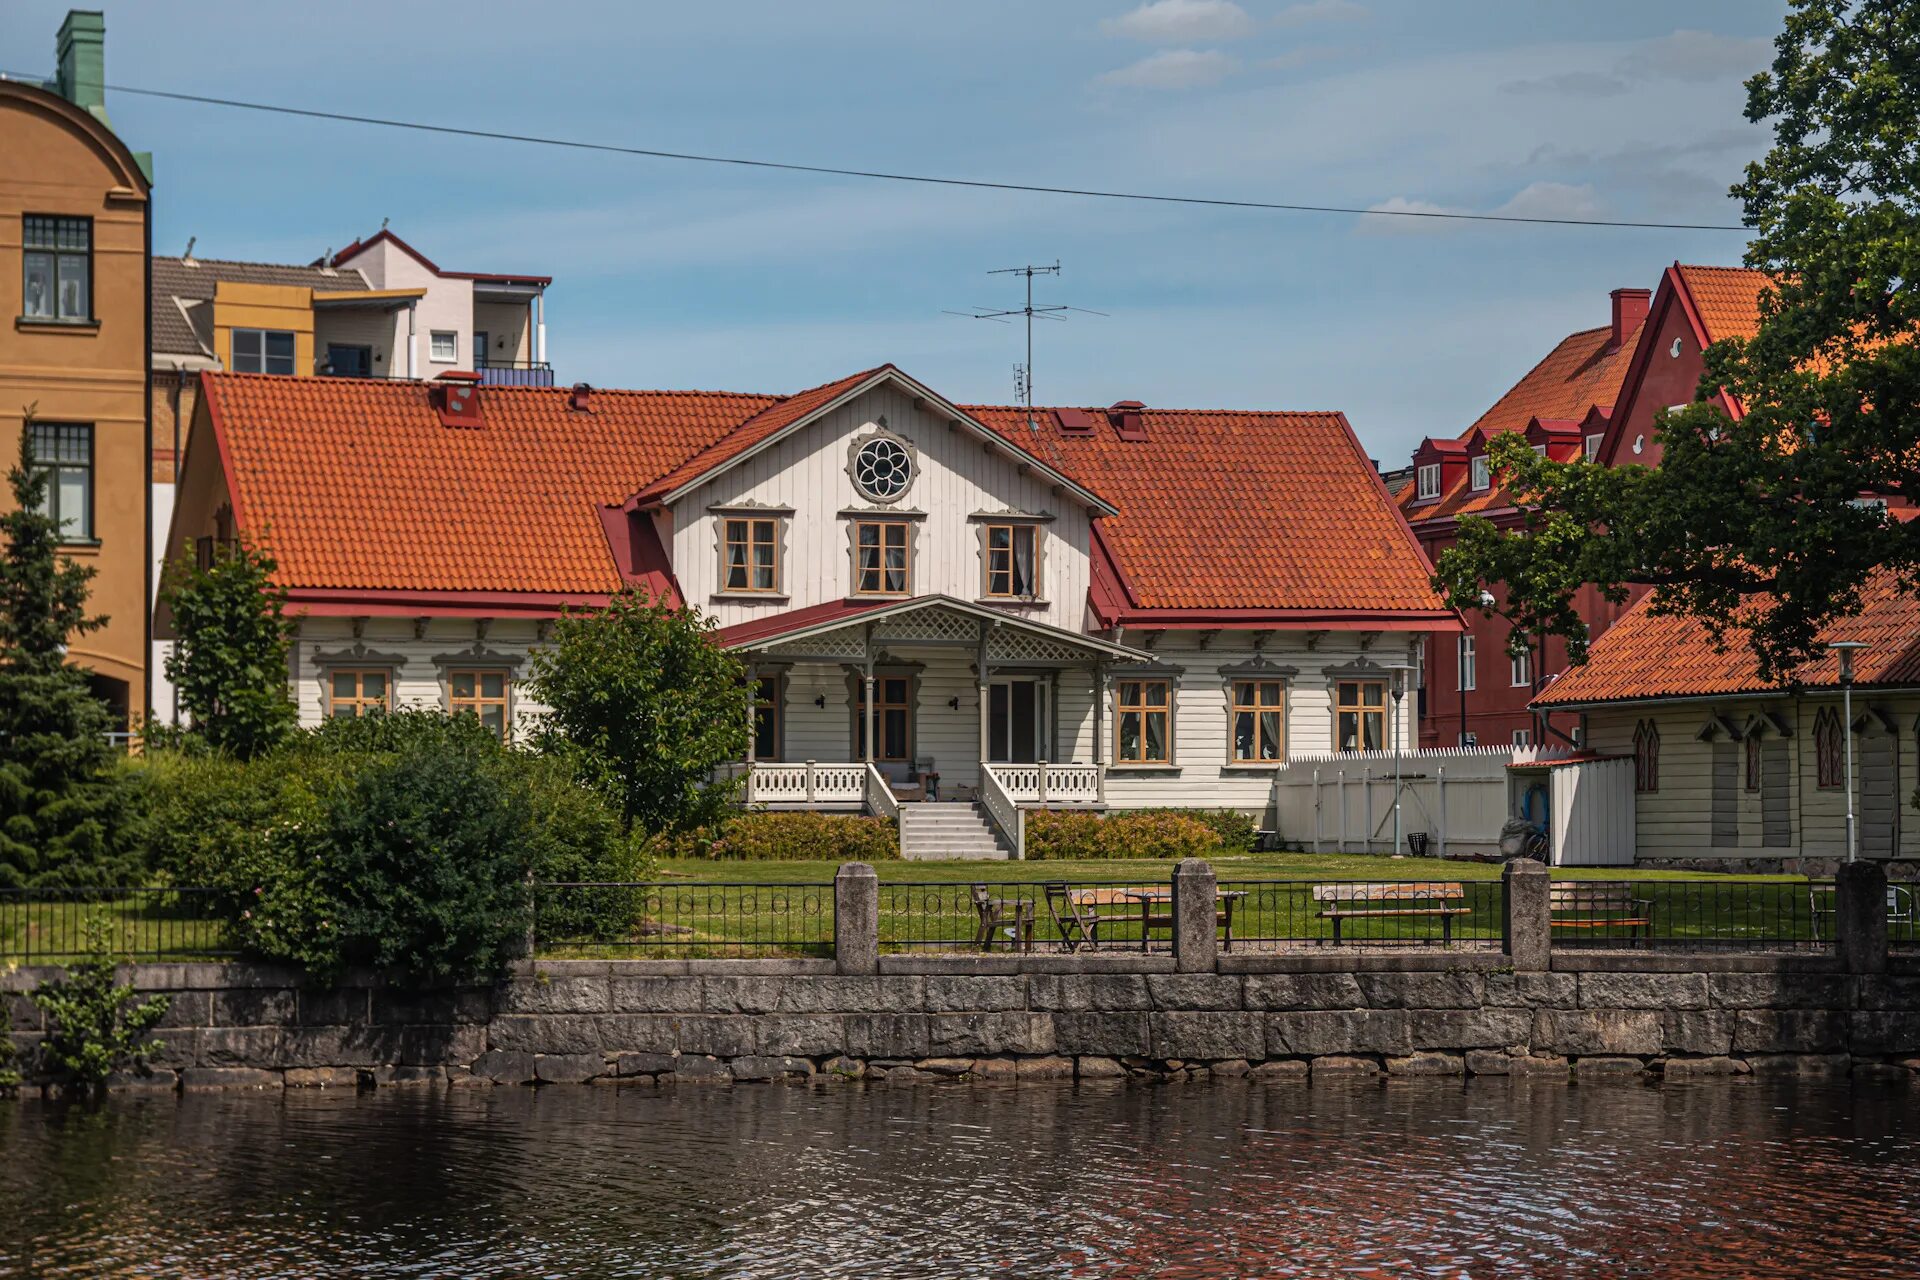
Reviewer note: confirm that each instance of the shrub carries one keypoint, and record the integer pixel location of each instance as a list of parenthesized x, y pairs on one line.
[(229, 658), (789, 837), (1233, 829), (405, 731), (1058, 835), (9, 1053), (94, 1026), (574, 837), (428, 866)]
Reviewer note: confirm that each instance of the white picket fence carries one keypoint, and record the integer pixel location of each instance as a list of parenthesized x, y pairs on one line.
[(1343, 802)]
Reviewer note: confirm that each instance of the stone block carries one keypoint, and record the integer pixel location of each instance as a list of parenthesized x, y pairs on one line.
[(1095, 1067), (723, 1035), (505, 1066), (660, 995), (1427, 1064), (567, 1068), (1608, 1068), (1643, 991), (643, 1064), (1282, 1070), (1232, 1068), (253, 1007), (1880, 991), (416, 1074), (1207, 1036), (1700, 1032), (1468, 1028), (1823, 1066), (343, 1046), (1596, 1032), (844, 1068), (1533, 990), (812, 1034), (1488, 1062), (1447, 990), (179, 1046), (24, 1015), (1341, 1064), (548, 1033), (701, 1070), (974, 1034), (1678, 1070), (440, 1045), (1881, 1072), (1283, 991), (740, 994), (994, 1069), (1210, 992), (967, 994), (1316, 1033), (261, 1047), (1789, 1031), (166, 1080), (888, 1035), (1111, 1035), (1782, 990), (644, 1032), (1890, 1031), (184, 1009), (949, 1067), (892, 994), (1538, 1066), (1060, 992), (321, 1078), (199, 1079), (333, 1006), (1045, 1067)]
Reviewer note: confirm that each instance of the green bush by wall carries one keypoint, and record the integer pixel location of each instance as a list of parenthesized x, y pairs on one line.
[(789, 837)]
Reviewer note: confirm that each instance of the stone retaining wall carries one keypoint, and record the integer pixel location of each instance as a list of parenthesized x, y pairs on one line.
[(1004, 1017)]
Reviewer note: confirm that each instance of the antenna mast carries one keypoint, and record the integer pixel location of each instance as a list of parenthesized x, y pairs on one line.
[(1023, 373)]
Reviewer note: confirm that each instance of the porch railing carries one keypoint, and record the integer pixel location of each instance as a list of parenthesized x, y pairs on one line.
[(806, 783), (879, 798), (1005, 814), (1046, 783)]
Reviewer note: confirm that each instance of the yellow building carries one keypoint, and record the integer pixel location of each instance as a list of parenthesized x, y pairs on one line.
[(74, 239)]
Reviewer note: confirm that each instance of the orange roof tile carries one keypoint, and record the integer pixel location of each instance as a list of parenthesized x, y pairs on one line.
[(356, 484), (1647, 655), (1238, 510), (1727, 299)]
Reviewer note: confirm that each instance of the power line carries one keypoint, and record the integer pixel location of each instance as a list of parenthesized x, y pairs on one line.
[(885, 176)]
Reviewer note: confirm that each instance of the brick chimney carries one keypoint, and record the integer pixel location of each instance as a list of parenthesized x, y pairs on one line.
[(1629, 309), (83, 61)]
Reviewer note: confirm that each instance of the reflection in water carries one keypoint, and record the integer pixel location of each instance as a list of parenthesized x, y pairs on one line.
[(1438, 1178)]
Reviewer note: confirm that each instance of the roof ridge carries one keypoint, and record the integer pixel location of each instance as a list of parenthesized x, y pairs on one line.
[(1254, 413)]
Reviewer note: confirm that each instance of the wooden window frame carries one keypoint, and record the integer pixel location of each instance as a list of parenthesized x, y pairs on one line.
[(453, 347), (1829, 751), (1480, 474), (1361, 709), (55, 253), (1258, 708), (880, 570), (1144, 707), (880, 708), (1466, 663), (771, 706), (1646, 757), (359, 699), (1013, 530), (1423, 491), (750, 527), (1520, 668), (69, 528), (476, 704)]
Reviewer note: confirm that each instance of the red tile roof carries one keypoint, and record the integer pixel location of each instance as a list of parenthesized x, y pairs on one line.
[(1221, 509), (355, 483), (1726, 299), (1647, 655)]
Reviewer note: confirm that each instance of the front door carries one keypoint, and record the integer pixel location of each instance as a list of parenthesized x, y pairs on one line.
[(479, 350), (1016, 721)]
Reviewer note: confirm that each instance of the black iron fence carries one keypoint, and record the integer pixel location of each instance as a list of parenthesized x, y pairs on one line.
[(1703, 913), (1047, 916), (683, 920), (49, 926), (1268, 915)]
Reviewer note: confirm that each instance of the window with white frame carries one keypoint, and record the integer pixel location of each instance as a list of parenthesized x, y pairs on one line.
[(63, 452), (57, 257), (1522, 668), (1593, 445), (1469, 739), (1427, 479), (444, 346), (1523, 737), (1482, 473), (1540, 450), (1467, 666)]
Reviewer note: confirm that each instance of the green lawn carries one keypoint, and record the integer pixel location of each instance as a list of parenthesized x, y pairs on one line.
[(156, 925)]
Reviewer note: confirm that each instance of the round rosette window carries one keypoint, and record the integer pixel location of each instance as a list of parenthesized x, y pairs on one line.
[(882, 469)]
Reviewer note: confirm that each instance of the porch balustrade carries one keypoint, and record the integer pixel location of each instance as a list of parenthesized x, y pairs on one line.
[(808, 783), (1046, 783)]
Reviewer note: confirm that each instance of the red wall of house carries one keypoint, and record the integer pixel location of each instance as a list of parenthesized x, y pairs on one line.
[(1666, 381)]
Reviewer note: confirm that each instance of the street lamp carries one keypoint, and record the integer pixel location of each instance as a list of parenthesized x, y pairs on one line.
[(1399, 677), (1846, 650)]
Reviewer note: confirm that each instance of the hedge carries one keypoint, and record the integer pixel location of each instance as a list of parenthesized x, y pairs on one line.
[(1058, 835), (788, 837)]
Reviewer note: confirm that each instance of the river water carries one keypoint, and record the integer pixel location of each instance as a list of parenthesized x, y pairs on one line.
[(1232, 1178)]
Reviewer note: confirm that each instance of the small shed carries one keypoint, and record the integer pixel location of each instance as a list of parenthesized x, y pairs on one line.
[(1584, 802)]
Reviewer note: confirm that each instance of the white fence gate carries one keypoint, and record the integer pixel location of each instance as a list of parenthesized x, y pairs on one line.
[(1343, 802)]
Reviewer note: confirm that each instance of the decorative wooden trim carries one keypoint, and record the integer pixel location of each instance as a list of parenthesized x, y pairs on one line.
[(878, 430), (781, 526), (911, 537)]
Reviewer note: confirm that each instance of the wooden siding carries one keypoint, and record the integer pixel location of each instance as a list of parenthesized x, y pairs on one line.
[(418, 680), (1726, 794)]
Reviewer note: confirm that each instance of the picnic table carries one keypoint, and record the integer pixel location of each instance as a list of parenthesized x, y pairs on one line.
[(1422, 899), (1079, 914)]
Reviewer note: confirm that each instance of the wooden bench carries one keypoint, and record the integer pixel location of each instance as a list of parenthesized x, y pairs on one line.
[(1343, 902), (1574, 905), (1008, 919)]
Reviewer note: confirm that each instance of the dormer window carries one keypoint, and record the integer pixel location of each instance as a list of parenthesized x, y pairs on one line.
[(1482, 473), (1593, 445), (1427, 481), (1540, 450)]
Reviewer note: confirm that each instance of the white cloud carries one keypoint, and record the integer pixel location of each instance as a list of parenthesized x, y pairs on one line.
[(1696, 55), (1536, 200), (1553, 200), (1396, 221), (1182, 22), (1299, 15), (1174, 69)]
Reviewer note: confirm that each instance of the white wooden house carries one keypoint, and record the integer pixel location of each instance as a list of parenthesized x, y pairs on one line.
[(1118, 608)]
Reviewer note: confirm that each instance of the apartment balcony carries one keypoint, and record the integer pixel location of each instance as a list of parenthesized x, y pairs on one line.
[(516, 373)]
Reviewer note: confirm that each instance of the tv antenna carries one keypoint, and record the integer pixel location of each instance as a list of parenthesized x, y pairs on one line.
[(1023, 373)]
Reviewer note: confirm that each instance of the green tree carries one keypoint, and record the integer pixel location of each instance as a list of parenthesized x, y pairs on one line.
[(1755, 527), (95, 1027), (65, 816), (648, 706), (229, 662)]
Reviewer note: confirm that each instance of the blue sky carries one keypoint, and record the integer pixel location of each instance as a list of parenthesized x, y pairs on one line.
[(677, 275)]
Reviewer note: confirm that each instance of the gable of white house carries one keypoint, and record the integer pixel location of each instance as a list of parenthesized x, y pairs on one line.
[(960, 485)]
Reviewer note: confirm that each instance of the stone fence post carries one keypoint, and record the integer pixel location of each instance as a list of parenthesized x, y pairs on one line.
[(1860, 917), (1528, 914), (856, 919), (1196, 905)]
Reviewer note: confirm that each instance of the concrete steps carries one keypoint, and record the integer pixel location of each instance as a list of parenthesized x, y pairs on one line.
[(947, 831)]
